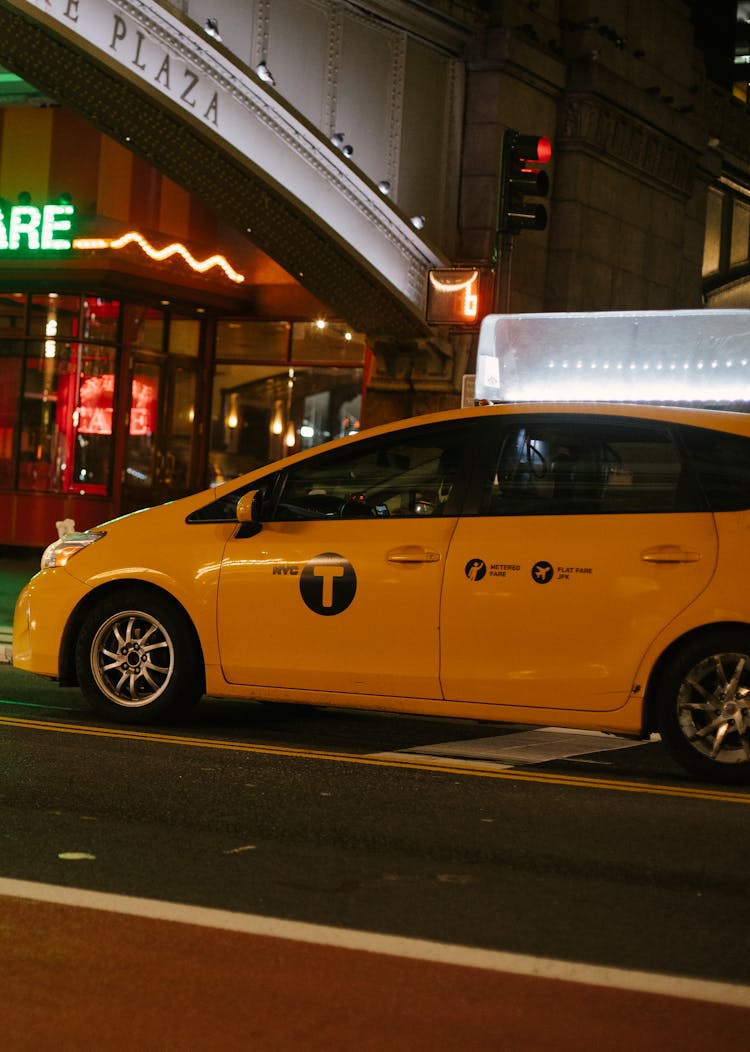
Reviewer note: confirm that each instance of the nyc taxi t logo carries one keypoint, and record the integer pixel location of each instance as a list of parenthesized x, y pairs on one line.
[(327, 582)]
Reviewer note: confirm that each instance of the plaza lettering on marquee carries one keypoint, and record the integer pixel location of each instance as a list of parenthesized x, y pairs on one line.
[(153, 62), (36, 229)]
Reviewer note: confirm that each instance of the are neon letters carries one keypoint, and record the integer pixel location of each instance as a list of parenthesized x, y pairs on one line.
[(36, 229)]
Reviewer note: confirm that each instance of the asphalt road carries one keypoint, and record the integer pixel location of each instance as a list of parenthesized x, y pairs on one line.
[(607, 859)]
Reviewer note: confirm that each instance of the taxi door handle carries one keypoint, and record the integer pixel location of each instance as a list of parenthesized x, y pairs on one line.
[(670, 553), (412, 553)]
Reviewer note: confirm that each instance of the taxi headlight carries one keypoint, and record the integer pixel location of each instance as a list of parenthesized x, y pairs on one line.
[(58, 553)]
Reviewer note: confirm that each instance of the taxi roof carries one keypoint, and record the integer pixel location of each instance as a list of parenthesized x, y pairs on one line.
[(697, 416)]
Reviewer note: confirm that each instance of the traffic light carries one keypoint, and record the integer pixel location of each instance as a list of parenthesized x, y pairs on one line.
[(522, 178)]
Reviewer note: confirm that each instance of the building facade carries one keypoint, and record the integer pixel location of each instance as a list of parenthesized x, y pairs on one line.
[(165, 325)]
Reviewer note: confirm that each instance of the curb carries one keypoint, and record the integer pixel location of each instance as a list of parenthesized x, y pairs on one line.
[(6, 640)]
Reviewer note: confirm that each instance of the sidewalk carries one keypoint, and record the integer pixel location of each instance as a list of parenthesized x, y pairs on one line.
[(15, 570)]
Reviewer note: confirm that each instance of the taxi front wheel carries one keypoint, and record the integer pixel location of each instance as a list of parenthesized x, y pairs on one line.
[(136, 658), (704, 707)]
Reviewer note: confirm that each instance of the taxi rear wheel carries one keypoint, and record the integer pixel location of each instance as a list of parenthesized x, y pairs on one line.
[(704, 707), (136, 658)]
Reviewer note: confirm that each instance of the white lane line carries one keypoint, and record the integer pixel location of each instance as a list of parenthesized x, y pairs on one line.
[(390, 945)]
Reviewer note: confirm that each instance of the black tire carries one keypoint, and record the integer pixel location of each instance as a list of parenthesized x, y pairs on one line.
[(703, 706), (137, 659)]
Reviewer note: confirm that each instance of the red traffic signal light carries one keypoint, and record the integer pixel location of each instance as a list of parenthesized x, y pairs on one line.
[(521, 179), (533, 148)]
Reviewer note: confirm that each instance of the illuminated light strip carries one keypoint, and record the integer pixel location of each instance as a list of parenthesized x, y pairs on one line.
[(471, 302), (89, 243), (450, 286), (453, 767)]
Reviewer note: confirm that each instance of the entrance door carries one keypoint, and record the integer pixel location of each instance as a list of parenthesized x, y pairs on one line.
[(159, 459), (144, 434), (175, 457)]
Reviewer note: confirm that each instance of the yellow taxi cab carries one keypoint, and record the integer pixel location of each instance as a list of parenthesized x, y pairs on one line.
[(571, 564)]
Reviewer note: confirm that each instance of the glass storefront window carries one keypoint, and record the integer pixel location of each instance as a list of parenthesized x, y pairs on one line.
[(66, 418), (240, 420), (181, 429), (74, 317), (146, 328), (11, 360), (238, 338), (91, 421), (185, 336), (262, 413), (100, 319), (322, 341), (278, 387), (142, 430), (12, 314), (55, 316)]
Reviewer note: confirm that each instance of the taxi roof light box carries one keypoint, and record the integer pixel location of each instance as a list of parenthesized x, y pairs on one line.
[(689, 356)]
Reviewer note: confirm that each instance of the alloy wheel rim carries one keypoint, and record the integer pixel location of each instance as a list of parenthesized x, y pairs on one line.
[(713, 707), (132, 658)]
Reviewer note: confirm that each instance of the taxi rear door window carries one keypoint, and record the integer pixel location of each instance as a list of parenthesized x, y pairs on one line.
[(722, 464), (570, 466)]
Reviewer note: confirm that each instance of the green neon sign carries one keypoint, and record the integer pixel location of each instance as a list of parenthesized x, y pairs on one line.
[(26, 227)]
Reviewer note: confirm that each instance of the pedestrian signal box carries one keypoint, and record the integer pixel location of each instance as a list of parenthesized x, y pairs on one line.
[(457, 295)]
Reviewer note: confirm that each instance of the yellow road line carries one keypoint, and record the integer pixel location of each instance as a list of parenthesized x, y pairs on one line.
[(407, 763)]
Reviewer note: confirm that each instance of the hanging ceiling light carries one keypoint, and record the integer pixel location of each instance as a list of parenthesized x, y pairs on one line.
[(277, 424), (212, 28), (264, 72)]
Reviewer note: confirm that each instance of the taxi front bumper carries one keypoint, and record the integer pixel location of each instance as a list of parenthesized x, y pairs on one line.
[(42, 612)]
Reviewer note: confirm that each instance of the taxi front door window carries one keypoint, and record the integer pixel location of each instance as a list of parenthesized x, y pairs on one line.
[(407, 475)]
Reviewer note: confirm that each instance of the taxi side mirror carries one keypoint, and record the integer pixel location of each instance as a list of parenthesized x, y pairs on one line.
[(249, 506)]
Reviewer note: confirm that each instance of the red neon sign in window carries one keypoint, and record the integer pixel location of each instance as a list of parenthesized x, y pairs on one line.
[(143, 406), (95, 405)]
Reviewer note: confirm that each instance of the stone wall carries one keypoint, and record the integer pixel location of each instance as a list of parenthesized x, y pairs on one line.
[(638, 135)]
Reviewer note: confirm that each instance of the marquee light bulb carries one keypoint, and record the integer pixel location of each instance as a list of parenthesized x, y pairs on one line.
[(133, 237)]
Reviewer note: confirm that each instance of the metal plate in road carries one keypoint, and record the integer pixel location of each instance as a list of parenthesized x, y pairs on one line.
[(527, 747)]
